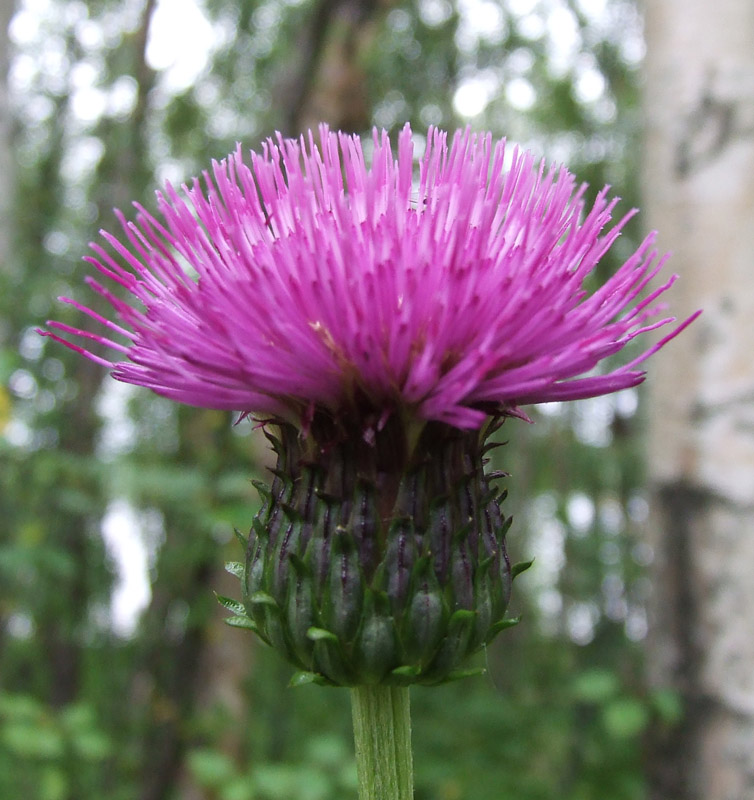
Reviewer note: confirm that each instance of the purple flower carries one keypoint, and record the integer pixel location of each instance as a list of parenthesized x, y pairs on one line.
[(384, 322), (311, 281)]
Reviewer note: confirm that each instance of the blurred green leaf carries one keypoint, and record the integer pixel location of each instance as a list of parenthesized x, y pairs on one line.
[(33, 741), (328, 750), (275, 782), (595, 685), (211, 768), (667, 703), (54, 784), (92, 745), (78, 718), (239, 788), (20, 707), (625, 717)]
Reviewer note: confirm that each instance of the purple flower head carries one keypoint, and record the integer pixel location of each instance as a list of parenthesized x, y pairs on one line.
[(310, 281), (380, 318)]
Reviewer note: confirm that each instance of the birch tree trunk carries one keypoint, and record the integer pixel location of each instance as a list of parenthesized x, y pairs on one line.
[(699, 185)]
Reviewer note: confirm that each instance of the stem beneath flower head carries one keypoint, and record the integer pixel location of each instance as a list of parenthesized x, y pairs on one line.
[(382, 733)]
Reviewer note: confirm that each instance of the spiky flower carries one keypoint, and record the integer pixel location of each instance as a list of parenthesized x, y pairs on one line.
[(384, 321)]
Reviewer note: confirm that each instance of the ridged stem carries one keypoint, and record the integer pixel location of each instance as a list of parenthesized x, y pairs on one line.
[(382, 733)]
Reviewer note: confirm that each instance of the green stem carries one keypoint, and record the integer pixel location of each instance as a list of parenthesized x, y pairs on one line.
[(382, 733)]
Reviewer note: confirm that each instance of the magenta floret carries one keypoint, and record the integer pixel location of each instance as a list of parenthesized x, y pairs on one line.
[(309, 280)]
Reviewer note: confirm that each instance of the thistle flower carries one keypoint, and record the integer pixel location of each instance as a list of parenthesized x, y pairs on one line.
[(385, 324)]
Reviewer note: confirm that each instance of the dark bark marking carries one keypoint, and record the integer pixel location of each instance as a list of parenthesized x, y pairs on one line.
[(706, 132), (673, 753)]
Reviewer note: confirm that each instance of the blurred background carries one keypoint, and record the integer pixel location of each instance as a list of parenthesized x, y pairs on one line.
[(632, 675)]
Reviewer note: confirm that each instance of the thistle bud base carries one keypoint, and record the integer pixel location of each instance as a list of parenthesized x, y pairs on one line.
[(380, 559)]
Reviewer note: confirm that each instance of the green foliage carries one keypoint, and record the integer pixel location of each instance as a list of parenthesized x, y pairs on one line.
[(325, 772), (46, 753)]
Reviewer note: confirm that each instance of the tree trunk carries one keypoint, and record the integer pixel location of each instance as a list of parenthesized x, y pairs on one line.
[(699, 185), (330, 84)]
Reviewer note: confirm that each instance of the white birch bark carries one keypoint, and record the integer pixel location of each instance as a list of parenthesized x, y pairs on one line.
[(699, 192)]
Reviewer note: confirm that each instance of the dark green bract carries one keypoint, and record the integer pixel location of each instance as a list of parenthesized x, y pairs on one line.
[(377, 559)]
